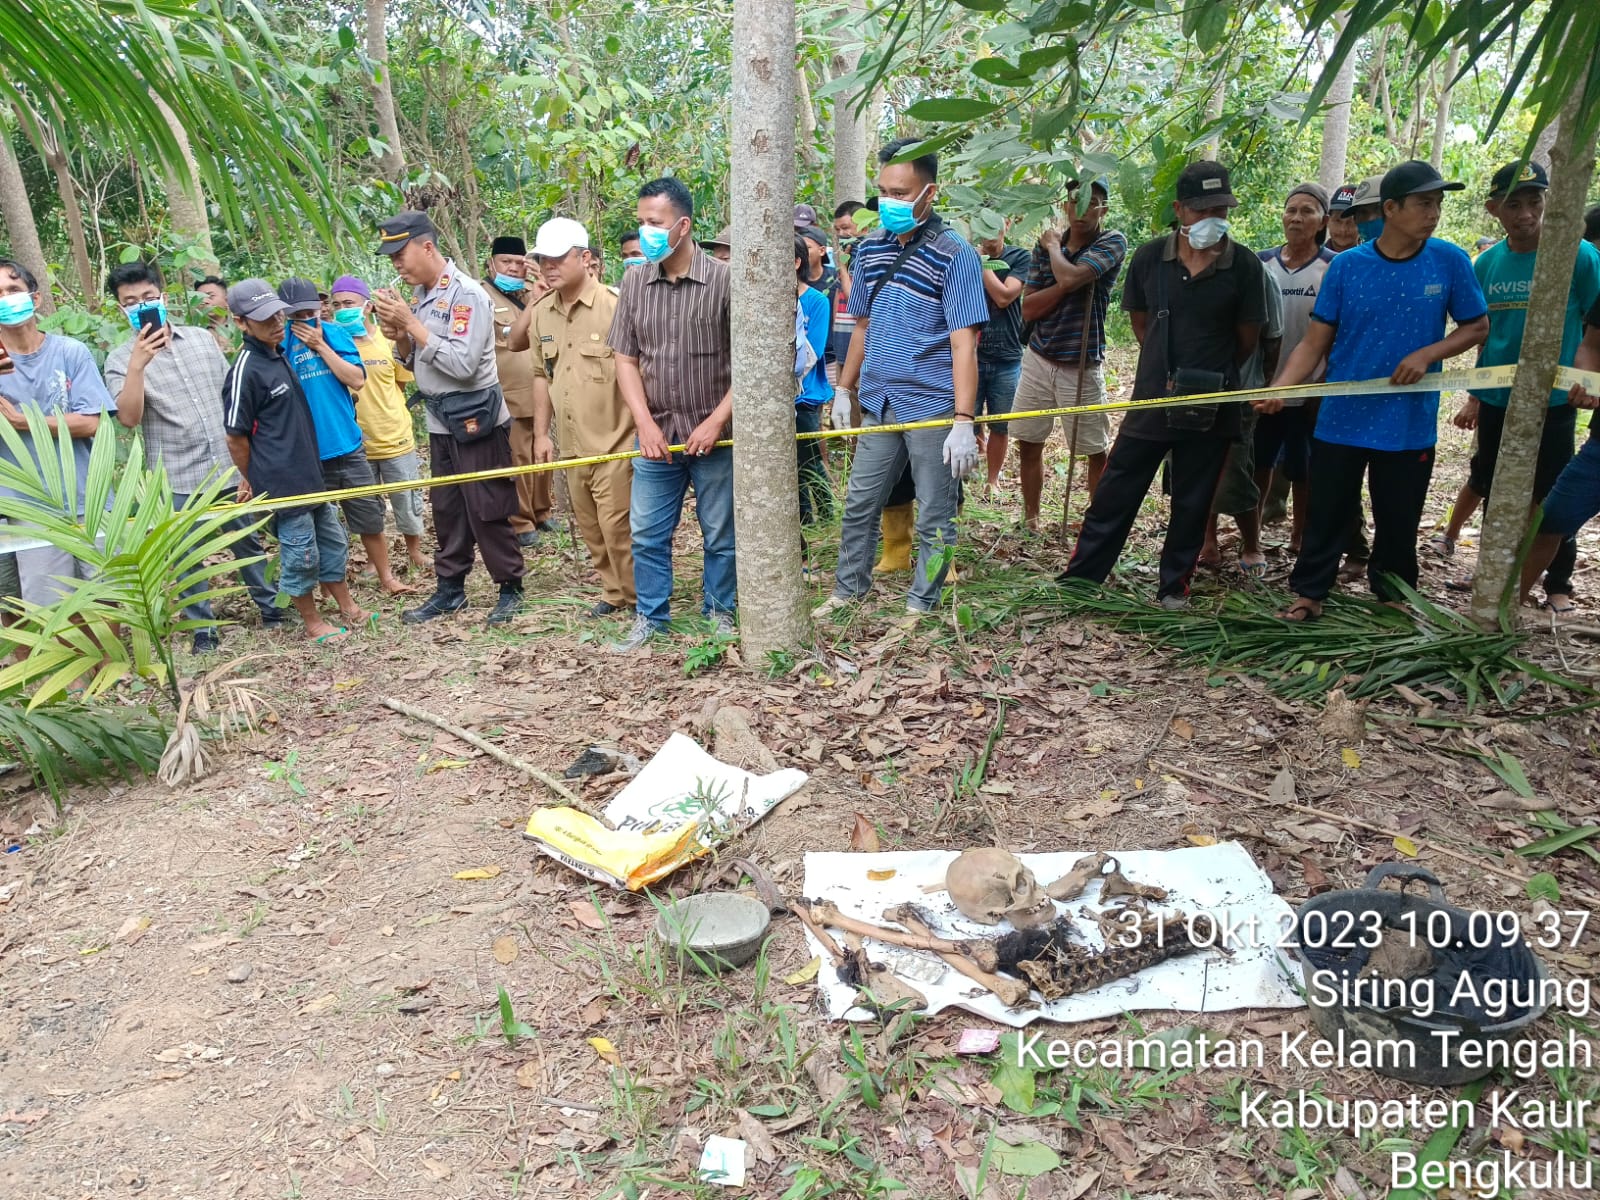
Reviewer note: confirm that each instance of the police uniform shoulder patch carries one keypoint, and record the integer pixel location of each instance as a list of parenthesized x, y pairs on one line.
[(444, 281), (460, 318)]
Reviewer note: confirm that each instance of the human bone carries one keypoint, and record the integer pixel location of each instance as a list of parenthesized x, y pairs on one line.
[(991, 885)]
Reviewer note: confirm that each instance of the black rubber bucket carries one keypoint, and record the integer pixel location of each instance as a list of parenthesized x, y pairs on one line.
[(1481, 967)]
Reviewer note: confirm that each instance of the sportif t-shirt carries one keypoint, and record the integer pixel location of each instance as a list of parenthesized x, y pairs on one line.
[(1384, 309), (333, 406), (1299, 288), (57, 379), (1507, 280), (1001, 340), (381, 404)]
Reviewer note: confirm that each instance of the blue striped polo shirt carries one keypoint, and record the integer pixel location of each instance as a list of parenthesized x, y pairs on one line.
[(937, 289)]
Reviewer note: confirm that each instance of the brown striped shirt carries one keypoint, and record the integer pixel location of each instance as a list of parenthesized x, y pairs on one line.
[(681, 336)]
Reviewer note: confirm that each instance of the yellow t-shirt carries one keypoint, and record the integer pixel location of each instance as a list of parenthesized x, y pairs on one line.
[(381, 404)]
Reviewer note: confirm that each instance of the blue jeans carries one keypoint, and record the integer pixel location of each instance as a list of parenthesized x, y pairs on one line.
[(312, 549), (253, 576), (880, 460), (657, 506), (1575, 498), (997, 391)]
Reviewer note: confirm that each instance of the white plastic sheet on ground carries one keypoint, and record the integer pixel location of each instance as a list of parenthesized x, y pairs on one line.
[(680, 805), (1221, 881)]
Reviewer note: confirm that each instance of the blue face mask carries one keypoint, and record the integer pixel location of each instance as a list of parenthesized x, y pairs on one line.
[(636, 261), (655, 244), (899, 216), (133, 313), (507, 283), (351, 319), (1371, 230), (16, 309)]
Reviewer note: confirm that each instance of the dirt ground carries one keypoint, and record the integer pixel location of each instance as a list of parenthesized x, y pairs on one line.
[(272, 983)]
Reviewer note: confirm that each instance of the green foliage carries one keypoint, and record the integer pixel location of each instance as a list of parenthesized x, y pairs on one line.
[(1364, 647), (510, 1028), (144, 555), (708, 651), (70, 741)]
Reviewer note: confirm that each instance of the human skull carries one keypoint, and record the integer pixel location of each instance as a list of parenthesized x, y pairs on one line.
[(991, 885)]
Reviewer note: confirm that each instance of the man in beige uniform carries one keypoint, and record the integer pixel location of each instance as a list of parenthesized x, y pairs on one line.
[(506, 283), (575, 371)]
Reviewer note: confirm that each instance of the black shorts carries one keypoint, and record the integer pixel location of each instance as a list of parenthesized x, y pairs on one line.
[(1555, 448), (1287, 432), (364, 515)]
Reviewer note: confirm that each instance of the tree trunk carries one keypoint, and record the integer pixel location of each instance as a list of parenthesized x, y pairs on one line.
[(766, 509), (1336, 120), (1546, 139), (1215, 104), (807, 118), (18, 214), (1441, 111), (391, 163), (849, 127), (186, 202), (1506, 519), (46, 138)]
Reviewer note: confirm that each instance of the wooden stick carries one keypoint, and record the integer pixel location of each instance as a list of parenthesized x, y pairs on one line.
[(488, 747), (825, 912), (1353, 822), (1013, 993)]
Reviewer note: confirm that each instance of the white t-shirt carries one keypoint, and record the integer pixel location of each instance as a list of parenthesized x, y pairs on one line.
[(1299, 290)]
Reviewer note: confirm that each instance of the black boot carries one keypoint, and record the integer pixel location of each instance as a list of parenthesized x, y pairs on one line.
[(509, 604), (449, 597)]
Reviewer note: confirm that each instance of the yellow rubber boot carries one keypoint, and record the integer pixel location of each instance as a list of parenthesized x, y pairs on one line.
[(895, 554)]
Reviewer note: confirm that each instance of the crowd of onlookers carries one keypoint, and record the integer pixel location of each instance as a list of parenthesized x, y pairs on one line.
[(298, 388)]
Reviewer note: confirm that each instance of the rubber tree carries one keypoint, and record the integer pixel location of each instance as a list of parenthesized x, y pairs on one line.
[(849, 116), (1572, 157), (766, 508), (1336, 126), (391, 163), (20, 225)]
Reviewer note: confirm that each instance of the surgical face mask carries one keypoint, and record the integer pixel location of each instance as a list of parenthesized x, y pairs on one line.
[(133, 311), (16, 309), (1206, 233), (1371, 230), (509, 283), (350, 318), (899, 216), (637, 260), (654, 243)]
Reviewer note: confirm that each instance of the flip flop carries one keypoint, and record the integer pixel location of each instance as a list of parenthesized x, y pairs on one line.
[(1307, 612), (337, 635), (1254, 571), (1558, 610)]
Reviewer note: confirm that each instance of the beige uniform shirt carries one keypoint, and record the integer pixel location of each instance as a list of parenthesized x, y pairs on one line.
[(516, 366), (571, 351)]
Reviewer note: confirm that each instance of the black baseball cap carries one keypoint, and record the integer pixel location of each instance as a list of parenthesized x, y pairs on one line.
[(1413, 179), (396, 233), (1203, 185), (300, 295), (1343, 198), (1516, 177)]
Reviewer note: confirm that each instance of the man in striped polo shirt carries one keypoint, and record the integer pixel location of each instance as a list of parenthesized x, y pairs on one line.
[(917, 296)]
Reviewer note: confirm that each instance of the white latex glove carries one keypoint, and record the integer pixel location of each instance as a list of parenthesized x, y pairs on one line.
[(842, 401), (961, 450)]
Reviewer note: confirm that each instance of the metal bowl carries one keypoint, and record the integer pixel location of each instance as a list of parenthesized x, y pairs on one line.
[(715, 931)]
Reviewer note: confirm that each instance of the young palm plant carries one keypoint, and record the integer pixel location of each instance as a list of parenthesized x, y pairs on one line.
[(148, 560)]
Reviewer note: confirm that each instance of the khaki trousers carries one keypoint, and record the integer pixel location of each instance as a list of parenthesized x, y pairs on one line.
[(600, 497), (533, 491)]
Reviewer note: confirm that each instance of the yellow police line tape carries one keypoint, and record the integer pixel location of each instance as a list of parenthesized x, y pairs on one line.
[(1463, 380)]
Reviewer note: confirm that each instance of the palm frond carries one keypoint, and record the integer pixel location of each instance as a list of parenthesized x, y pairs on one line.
[(69, 742)]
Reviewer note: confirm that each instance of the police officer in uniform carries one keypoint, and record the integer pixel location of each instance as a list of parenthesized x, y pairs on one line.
[(446, 339)]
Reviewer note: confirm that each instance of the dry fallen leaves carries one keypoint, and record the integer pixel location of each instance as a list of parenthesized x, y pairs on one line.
[(505, 949), (863, 836), (588, 916), (604, 1048), (477, 873)]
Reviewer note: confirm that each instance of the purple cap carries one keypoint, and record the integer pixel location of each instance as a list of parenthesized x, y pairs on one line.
[(350, 283)]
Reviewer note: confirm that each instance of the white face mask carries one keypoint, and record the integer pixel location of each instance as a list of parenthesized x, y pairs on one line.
[(1206, 233)]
